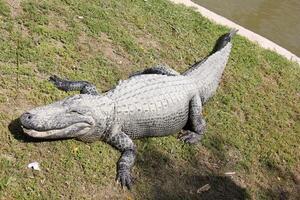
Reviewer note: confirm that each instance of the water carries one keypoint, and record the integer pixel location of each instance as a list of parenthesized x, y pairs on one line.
[(277, 20)]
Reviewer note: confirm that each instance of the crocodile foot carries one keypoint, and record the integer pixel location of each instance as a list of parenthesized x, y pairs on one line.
[(57, 82), (125, 178), (190, 137)]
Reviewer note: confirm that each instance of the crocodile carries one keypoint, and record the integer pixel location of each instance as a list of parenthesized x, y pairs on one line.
[(157, 101)]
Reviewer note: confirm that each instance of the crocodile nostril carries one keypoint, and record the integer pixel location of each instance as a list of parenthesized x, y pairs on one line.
[(27, 116), (27, 120)]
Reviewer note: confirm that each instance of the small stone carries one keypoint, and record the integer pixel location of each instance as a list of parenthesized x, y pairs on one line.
[(34, 166), (229, 173), (204, 188)]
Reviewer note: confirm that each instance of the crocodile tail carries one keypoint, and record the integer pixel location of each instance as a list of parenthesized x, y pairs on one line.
[(223, 41), (207, 72)]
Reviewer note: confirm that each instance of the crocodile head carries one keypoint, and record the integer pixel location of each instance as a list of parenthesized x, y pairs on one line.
[(72, 117)]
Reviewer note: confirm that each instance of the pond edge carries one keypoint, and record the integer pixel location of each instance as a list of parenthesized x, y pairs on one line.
[(250, 35)]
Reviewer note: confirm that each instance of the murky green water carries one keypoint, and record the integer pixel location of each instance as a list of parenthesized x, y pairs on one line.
[(277, 20)]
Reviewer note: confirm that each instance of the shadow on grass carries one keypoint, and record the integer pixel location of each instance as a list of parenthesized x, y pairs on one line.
[(279, 194), (169, 180), (163, 178)]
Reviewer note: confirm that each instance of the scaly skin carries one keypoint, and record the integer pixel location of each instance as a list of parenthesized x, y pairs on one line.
[(155, 102)]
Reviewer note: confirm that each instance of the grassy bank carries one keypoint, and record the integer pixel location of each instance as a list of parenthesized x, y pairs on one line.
[(251, 120)]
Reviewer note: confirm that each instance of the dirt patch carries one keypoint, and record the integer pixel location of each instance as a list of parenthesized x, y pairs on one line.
[(234, 156), (87, 46), (239, 114), (206, 159), (15, 105), (24, 30), (109, 191), (269, 81), (15, 7), (90, 46), (147, 41), (116, 55), (57, 22), (16, 11)]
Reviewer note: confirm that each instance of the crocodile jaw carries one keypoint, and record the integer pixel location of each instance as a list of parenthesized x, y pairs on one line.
[(74, 130)]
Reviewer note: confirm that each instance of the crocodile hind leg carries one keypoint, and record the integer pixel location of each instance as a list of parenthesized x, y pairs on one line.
[(83, 86), (196, 124), (162, 69)]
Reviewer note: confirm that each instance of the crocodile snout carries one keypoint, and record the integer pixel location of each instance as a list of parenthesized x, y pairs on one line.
[(26, 120)]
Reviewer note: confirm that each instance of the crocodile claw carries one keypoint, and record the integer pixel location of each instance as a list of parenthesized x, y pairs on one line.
[(125, 179), (54, 79), (58, 82), (190, 137)]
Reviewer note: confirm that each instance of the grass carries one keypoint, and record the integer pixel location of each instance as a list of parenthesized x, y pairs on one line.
[(253, 120)]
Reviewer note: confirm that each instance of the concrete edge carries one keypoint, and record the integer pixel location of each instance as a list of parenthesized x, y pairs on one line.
[(262, 41)]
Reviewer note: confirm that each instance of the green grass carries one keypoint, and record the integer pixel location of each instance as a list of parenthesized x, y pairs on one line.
[(253, 120)]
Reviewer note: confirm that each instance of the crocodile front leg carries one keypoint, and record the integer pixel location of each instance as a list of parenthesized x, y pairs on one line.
[(196, 124), (162, 69), (125, 145), (83, 86)]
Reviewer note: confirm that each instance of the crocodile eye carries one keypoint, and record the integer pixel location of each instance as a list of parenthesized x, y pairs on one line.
[(75, 112)]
